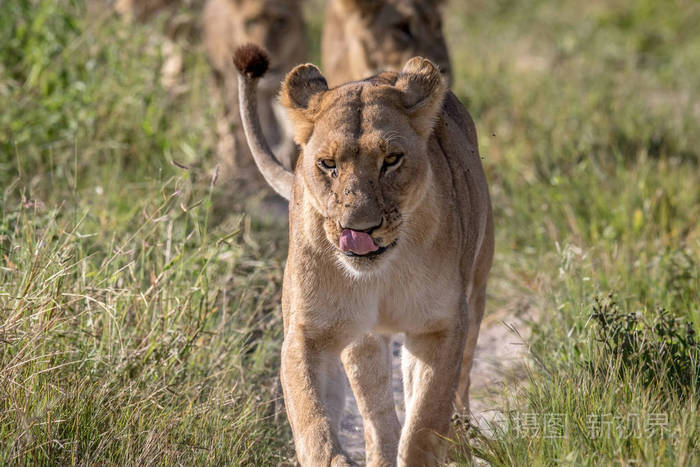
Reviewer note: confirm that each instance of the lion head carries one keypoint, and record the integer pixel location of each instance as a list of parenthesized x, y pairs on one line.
[(364, 163), (364, 37)]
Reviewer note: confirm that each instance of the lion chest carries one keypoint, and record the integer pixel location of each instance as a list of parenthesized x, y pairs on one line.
[(419, 299)]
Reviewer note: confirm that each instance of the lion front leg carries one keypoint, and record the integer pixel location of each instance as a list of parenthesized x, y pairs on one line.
[(367, 363), (308, 372), (431, 365)]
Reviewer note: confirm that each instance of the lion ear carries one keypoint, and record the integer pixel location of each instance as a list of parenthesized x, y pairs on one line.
[(422, 93), (300, 95)]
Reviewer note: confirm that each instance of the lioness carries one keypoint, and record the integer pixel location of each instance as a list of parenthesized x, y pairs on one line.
[(363, 37), (278, 26), (391, 231)]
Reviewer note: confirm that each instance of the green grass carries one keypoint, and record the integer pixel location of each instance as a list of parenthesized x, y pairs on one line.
[(139, 325)]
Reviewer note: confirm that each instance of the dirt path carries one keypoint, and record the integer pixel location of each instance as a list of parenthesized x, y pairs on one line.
[(499, 361)]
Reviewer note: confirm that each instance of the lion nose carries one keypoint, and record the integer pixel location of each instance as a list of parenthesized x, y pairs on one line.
[(361, 225)]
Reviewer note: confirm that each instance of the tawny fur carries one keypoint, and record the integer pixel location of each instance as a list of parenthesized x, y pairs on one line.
[(433, 214), (364, 37)]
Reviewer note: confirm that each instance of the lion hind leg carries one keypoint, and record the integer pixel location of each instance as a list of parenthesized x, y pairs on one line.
[(476, 313)]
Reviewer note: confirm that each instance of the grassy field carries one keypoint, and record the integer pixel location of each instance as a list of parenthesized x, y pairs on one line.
[(138, 324)]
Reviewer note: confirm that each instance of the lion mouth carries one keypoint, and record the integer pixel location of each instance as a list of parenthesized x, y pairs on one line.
[(371, 254), (359, 244)]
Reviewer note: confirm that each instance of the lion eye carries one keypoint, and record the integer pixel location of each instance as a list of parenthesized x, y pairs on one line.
[(392, 159), (327, 164)]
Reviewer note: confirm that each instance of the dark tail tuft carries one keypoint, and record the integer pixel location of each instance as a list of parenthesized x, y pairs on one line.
[(251, 60)]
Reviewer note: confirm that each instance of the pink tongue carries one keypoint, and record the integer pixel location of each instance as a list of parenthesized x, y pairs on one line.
[(359, 243)]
